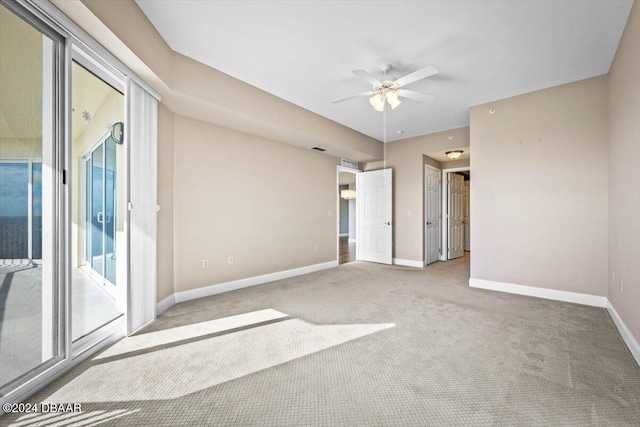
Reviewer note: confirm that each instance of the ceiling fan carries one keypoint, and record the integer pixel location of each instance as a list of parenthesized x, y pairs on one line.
[(388, 91)]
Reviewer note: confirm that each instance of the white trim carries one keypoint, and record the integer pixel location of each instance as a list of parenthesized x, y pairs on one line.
[(165, 304), (352, 240), (532, 291), (629, 340), (408, 263), (344, 234), (250, 281)]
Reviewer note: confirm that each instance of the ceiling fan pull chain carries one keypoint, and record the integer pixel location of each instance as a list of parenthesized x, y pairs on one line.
[(384, 138)]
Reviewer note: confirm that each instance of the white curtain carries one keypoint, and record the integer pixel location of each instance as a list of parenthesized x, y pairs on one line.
[(141, 138)]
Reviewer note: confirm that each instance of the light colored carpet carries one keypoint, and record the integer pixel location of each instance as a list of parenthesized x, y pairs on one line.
[(361, 344)]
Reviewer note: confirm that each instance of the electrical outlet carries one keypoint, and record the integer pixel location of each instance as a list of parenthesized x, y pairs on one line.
[(408, 213), (205, 263), (229, 260), (317, 247), (329, 213)]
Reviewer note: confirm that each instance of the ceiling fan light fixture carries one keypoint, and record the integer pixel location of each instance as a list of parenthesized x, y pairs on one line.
[(377, 101), (392, 99), (454, 154)]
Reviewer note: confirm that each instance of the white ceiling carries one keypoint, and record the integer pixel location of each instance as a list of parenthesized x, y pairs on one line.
[(89, 93), (486, 50)]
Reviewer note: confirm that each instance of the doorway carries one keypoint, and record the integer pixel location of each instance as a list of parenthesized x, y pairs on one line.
[(99, 263), (346, 216), (100, 172), (456, 200), (432, 214)]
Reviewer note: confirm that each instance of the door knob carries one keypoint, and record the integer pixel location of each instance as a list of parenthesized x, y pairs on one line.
[(388, 223), (428, 223)]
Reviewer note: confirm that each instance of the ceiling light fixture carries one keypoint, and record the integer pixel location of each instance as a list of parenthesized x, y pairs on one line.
[(384, 96), (454, 154), (450, 137), (377, 101), (348, 194)]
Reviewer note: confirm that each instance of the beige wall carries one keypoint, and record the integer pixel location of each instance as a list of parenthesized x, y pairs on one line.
[(406, 157), (456, 164), (165, 200), (539, 188), (431, 162), (624, 175), (234, 196)]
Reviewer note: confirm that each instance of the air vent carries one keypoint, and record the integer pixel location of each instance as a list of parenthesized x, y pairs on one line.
[(349, 164), (320, 149)]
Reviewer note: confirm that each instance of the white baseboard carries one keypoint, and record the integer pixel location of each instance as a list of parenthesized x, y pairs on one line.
[(408, 263), (574, 297), (628, 338), (250, 281), (165, 304)]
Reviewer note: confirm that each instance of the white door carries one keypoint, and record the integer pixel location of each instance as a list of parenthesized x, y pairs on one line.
[(432, 215), (456, 217), (374, 197), (466, 218)]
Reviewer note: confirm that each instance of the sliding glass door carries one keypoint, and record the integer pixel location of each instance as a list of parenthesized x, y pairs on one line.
[(98, 259), (100, 172), (65, 198), (30, 309)]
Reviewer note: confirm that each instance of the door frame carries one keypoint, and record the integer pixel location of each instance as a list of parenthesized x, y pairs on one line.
[(445, 209), (103, 70), (340, 169), (84, 189), (424, 216)]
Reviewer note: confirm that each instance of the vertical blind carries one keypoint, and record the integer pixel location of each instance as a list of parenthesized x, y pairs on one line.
[(142, 135)]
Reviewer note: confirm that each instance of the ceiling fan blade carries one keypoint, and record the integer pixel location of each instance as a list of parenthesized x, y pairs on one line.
[(353, 96), (418, 96), (366, 76), (417, 75)]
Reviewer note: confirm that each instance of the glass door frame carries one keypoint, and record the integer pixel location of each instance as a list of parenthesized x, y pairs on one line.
[(104, 71), (86, 191), (53, 247), (70, 43)]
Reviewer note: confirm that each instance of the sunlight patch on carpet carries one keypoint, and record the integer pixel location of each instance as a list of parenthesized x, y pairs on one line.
[(170, 373)]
